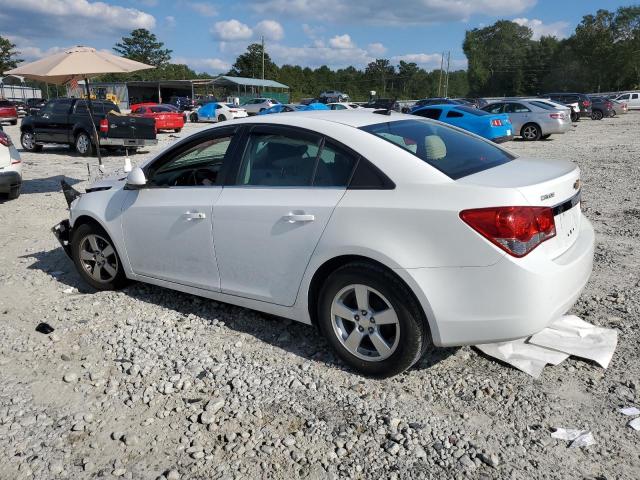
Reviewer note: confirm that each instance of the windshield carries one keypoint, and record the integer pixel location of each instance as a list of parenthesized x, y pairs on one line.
[(454, 153)]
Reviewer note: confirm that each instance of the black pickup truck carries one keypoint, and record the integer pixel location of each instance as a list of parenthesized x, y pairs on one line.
[(66, 121)]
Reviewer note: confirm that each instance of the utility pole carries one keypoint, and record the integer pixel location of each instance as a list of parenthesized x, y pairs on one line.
[(446, 85), (440, 79), (262, 57)]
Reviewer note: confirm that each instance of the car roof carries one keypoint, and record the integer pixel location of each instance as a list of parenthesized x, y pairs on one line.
[(350, 117)]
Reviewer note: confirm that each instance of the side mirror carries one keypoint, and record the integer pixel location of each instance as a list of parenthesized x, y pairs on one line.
[(136, 178)]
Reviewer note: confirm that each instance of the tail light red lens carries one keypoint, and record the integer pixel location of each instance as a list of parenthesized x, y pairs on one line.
[(5, 140), (516, 230), (496, 122), (586, 103), (104, 125), (557, 115)]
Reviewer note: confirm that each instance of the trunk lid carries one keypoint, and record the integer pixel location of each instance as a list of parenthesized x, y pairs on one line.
[(543, 183)]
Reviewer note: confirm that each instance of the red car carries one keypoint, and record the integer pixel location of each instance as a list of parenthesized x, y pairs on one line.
[(166, 118), (8, 112)]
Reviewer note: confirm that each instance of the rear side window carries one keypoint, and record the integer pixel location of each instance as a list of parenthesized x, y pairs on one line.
[(494, 108), (545, 105), (454, 114), (432, 113), (454, 153), (634, 96), (334, 166), (61, 106)]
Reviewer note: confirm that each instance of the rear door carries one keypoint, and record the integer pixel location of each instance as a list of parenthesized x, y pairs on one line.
[(268, 223), (519, 114)]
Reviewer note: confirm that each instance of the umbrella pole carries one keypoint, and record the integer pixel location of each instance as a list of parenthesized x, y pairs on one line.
[(93, 123)]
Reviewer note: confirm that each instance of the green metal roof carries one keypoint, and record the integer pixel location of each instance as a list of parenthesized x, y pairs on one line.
[(227, 81)]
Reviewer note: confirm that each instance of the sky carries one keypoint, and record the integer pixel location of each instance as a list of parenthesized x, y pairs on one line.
[(209, 35)]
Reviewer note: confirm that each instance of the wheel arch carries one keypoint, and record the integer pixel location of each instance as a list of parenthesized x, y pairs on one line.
[(331, 265), (536, 124)]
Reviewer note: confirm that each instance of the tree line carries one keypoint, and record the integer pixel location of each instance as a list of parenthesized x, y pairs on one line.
[(602, 54)]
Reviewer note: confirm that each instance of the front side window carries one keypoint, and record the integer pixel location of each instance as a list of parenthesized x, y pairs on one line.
[(624, 97), (456, 154), (432, 113), (199, 165)]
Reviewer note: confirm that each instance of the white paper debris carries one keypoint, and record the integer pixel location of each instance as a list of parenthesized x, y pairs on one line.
[(578, 438), (635, 423), (524, 356), (629, 411), (570, 334)]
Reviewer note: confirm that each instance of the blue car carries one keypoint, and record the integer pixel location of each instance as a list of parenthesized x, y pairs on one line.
[(495, 127), (288, 107)]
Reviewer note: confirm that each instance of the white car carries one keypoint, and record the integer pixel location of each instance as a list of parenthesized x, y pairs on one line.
[(391, 234), (257, 105), (632, 99), (343, 106), (10, 168), (218, 112)]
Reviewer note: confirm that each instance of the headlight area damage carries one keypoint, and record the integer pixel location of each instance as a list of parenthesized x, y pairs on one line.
[(62, 231)]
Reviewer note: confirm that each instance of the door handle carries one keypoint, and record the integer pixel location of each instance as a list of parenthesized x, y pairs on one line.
[(299, 217), (194, 216)]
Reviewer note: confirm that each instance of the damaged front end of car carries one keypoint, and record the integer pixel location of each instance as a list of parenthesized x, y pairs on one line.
[(62, 230)]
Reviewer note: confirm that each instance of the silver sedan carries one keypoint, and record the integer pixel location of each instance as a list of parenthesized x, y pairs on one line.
[(534, 119)]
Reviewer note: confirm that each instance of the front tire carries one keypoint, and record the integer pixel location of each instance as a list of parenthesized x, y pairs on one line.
[(177, 130), (372, 321), (531, 132), (83, 144), (96, 258)]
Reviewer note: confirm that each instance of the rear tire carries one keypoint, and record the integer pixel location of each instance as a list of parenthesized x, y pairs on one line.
[(530, 132), (96, 258), (28, 142), (221, 118), (349, 298), (596, 115), (194, 117), (13, 193), (83, 144), (575, 117)]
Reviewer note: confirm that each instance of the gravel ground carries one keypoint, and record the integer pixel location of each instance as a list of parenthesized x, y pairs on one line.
[(150, 383)]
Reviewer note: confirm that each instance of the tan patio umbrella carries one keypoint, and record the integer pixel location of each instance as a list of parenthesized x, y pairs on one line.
[(78, 63)]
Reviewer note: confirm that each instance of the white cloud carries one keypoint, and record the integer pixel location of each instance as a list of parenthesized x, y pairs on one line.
[(210, 65), (203, 8), (311, 32), (376, 48), (316, 56), (342, 42), (69, 18), (231, 30), (398, 12), (539, 28), (271, 30), (170, 21), (429, 61)]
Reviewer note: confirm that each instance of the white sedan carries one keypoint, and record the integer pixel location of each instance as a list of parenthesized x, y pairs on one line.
[(343, 106), (391, 234), (10, 168)]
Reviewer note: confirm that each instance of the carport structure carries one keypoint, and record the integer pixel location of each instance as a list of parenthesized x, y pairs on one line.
[(246, 88), (161, 90)]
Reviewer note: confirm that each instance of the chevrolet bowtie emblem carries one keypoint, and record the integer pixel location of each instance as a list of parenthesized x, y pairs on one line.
[(576, 185)]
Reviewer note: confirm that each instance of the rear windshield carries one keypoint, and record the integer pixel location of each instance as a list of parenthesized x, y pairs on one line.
[(545, 105), (471, 110), (160, 108), (5, 103), (454, 153)]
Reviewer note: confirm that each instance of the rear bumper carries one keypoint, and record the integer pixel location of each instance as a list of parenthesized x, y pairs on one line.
[(555, 127), (127, 142), (9, 180), (513, 298), (62, 232), (506, 138)]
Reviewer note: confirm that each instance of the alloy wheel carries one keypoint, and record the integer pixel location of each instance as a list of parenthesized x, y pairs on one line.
[(28, 141), (530, 132), (365, 323), (82, 143), (98, 258)]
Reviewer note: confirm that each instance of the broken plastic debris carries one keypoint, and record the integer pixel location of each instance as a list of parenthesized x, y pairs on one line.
[(69, 290), (574, 336), (635, 423), (629, 411), (524, 356), (44, 328), (578, 438)]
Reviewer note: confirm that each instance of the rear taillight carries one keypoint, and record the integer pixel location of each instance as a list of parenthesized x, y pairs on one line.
[(557, 115), (496, 122), (5, 140), (516, 230), (104, 125), (586, 103), (609, 104)]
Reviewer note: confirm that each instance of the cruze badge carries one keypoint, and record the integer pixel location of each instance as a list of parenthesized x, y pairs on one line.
[(547, 196)]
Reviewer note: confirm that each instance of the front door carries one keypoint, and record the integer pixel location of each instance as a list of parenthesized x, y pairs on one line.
[(167, 225), (267, 225)]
